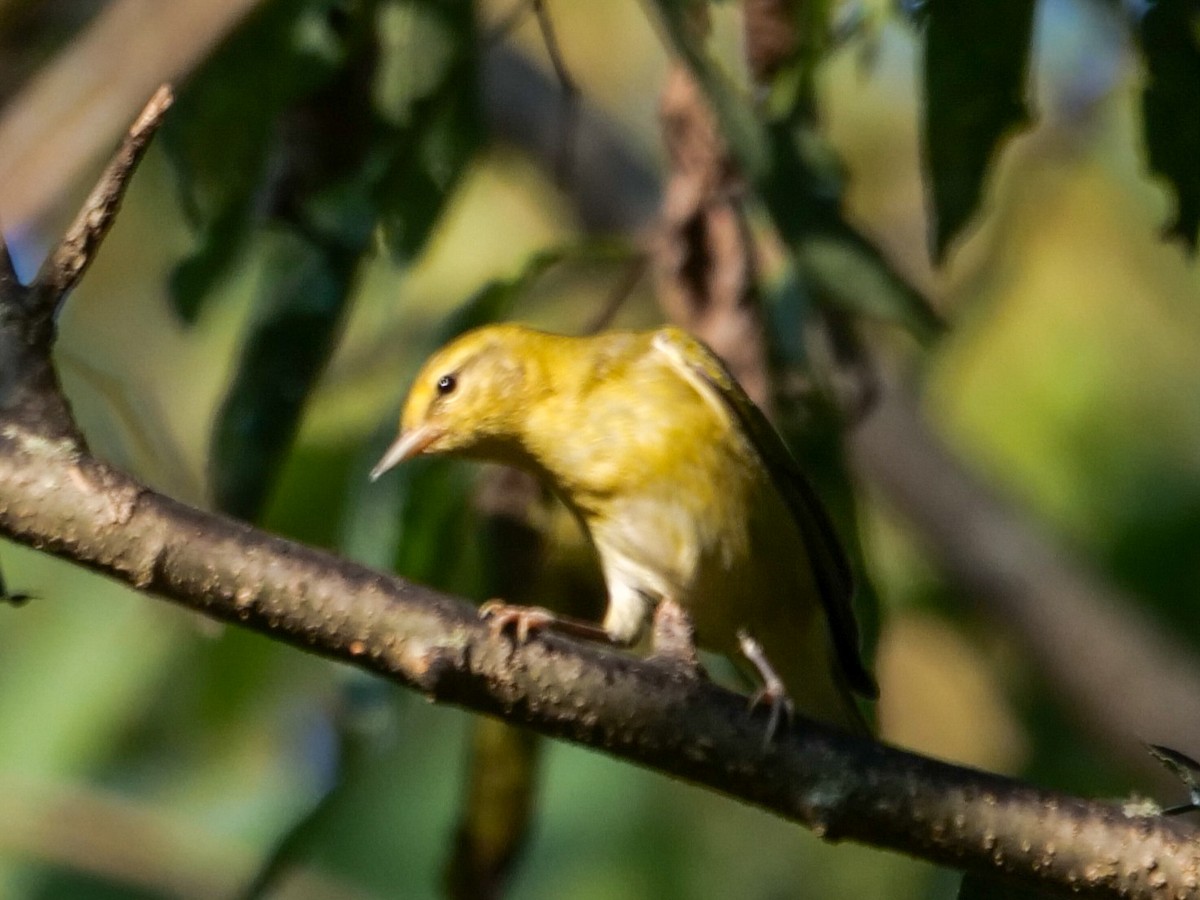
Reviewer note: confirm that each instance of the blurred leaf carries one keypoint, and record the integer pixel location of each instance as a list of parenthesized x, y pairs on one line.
[(803, 193), (89, 886), (299, 311), (427, 91), (1170, 38), (740, 125), (799, 181), (219, 135), (785, 42), (384, 140), (357, 735), (976, 56)]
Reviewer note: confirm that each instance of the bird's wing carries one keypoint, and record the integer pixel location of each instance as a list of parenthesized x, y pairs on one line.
[(831, 570)]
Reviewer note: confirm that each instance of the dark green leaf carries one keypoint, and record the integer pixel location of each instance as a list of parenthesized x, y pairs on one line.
[(1170, 38), (976, 56), (427, 91), (379, 138), (843, 271), (220, 134), (298, 319)]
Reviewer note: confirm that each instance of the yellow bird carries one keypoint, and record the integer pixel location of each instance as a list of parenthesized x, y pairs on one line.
[(685, 490)]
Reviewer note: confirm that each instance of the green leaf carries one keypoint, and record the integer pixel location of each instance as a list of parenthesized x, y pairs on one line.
[(799, 183), (734, 109), (426, 90), (841, 269), (1170, 39), (375, 134), (220, 134), (976, 58), (306, 287)]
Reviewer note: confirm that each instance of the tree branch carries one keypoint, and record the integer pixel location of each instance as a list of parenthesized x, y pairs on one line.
[(64, 267), (56, 497), (646, 711)]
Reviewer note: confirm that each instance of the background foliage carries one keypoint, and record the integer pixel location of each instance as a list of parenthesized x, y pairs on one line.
[(332, 198)]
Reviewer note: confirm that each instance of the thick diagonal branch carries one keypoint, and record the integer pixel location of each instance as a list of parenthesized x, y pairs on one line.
[(645, 711)]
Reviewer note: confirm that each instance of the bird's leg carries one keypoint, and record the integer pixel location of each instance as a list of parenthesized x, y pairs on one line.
[(527, 620), (674, 634), (772, 692)]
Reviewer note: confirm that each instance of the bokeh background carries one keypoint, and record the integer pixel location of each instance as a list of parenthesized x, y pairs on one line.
[(145, 752)]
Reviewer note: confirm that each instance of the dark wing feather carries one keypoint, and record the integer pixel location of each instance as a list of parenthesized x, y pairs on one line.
[(831, 569)]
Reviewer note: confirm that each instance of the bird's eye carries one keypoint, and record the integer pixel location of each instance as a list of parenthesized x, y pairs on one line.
[(446, 385)]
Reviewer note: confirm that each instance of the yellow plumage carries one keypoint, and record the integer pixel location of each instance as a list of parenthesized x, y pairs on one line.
[(684, 489)]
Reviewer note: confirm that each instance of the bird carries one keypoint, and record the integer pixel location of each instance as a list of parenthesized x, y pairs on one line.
[(685, 490)]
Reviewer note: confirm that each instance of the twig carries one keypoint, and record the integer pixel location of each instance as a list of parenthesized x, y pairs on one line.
[(29, 388), (66, 264), (569, 128), (616, 297), (569, 93)]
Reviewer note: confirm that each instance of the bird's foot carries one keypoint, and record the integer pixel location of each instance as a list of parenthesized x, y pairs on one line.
[(674, 635), (526, 620), (521, 620), (772, 693)]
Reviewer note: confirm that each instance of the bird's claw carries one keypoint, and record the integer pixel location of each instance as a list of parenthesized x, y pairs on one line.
[(781, 706), (521, 620), (772, 693)]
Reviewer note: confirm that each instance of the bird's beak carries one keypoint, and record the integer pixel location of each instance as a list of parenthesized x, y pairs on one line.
[(411, 443)]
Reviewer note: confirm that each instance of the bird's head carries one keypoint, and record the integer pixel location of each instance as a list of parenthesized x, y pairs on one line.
[(469, 398)]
